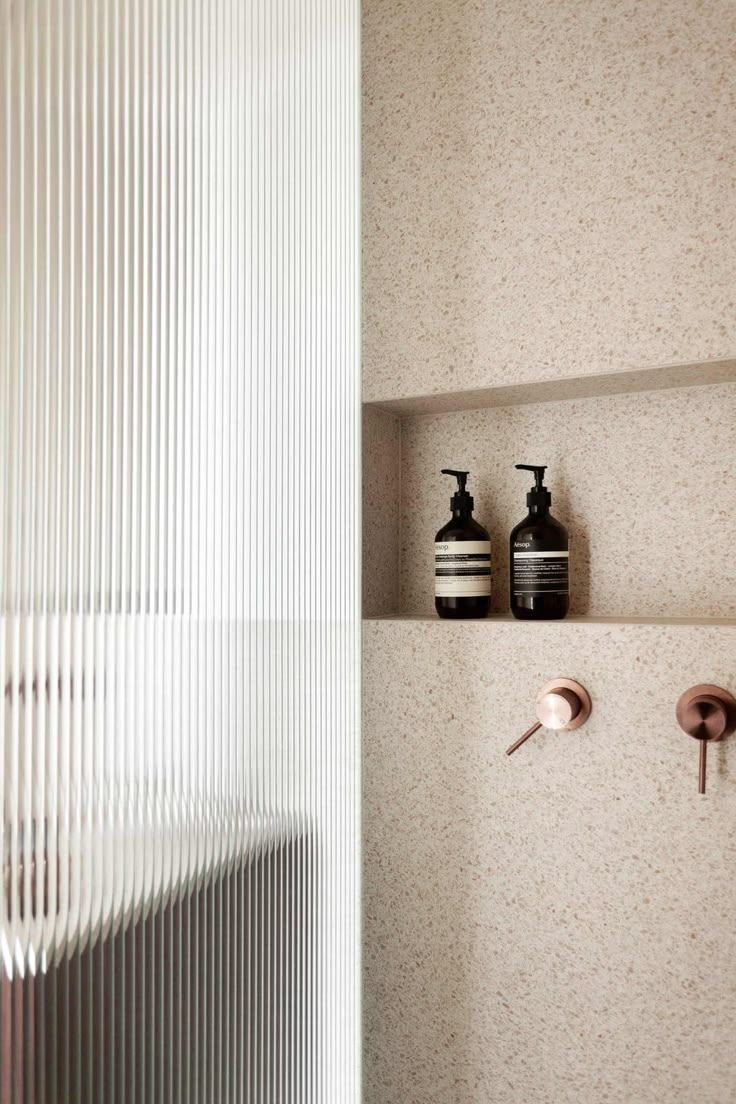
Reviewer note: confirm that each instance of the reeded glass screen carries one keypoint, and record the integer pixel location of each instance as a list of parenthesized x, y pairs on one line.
[(179, 769)]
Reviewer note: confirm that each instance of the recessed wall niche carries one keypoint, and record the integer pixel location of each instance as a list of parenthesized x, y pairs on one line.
[(642, 479)]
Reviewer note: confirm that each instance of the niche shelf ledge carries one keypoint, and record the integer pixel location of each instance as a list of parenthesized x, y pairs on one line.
[(571, 619), (626, 381)]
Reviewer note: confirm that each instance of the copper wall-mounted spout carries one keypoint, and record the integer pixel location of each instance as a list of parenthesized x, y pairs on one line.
[(562, 704), (706, 713)]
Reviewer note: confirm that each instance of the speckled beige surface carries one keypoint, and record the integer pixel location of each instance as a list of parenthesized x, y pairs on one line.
[(548, 189), (558, 926), (632, 381), (381, 504), (644, 483)]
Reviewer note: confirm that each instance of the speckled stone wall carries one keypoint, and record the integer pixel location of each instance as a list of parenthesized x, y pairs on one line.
[(548, 189), (381, 508), (558, 926), (644, 483), (549, 194)]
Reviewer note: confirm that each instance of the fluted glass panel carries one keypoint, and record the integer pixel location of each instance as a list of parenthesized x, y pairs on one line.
[(179, 634)]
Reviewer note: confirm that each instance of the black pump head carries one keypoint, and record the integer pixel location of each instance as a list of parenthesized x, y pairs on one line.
[(538, 495), (461, 500)]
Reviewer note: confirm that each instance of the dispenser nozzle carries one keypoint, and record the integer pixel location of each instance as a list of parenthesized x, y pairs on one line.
[(461, 477), (461, 500), (538, 470)]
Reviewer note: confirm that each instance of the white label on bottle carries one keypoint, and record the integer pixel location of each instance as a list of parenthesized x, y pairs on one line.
[(540, 572), (462, 569)]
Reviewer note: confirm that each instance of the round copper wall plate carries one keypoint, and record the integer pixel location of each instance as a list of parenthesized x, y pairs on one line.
[(585, 703), (706, 689)]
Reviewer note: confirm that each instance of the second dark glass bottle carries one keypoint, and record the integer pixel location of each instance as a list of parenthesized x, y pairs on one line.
[(539, 558)]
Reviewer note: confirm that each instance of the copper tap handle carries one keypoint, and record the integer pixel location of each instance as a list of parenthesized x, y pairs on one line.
[(708, 713), (561, 705), (529, 732)]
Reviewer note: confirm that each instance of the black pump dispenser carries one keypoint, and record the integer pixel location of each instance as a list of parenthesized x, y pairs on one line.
[(462, 559), (461, 502), (538, 496), (539, 557)]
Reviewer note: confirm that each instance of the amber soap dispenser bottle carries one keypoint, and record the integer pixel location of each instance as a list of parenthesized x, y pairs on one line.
[(462, 559), (539, 558)]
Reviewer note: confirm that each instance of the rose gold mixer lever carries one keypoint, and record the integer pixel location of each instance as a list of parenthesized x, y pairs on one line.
[(707, 713), (561, 704)]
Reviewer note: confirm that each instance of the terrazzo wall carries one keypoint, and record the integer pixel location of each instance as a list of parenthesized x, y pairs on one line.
[(548, 188), (558, 925), (381, 511), (549, 195)]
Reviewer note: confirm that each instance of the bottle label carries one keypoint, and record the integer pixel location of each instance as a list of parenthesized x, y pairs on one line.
[(462, 569), (539, 570)]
